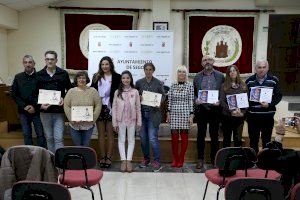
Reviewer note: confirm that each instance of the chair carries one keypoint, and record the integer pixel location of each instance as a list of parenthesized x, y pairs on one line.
[(228, 160), (77, 164), (267, 160), (295, 194), (25, 162), (37, 190), (253, 188)]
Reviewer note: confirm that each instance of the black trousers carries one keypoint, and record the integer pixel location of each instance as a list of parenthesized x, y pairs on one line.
[(260, 123), (208, 115), (232, 126)]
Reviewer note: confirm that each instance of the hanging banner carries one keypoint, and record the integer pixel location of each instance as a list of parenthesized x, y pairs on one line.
[(131, 49)]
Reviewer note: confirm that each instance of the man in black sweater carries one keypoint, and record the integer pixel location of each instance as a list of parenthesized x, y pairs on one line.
[(260, 116), (25, 94), (52, 77)]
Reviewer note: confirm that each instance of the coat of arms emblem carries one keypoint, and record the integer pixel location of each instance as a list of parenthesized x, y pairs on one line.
[(223, 43)]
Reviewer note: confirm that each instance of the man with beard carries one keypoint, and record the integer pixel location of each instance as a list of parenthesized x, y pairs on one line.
[(207, 79)]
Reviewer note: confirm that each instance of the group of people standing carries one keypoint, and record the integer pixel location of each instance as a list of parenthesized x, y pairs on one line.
[(116, 103)]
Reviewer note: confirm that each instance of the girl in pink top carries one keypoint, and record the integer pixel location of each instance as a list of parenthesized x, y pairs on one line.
[(126, 114)]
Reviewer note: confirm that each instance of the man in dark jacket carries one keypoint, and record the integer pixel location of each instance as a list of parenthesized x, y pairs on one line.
[(260, 116), (207, 79), (52, 77), (25, 94)]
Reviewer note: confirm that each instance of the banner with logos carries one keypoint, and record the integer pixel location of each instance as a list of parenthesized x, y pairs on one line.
[(131, 49)]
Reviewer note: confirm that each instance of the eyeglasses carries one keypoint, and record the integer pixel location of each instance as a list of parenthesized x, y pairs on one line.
[(50, 59)]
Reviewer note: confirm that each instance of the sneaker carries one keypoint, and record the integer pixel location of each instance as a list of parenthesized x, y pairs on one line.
[(156, 166), (123, 166), (129, 166), (144, 163)]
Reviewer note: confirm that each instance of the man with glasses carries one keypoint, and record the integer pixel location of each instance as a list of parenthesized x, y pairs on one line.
[(207, 79), (52, 77), (25, 95)]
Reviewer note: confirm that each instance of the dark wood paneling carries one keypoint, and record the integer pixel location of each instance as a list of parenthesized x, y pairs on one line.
[(284, 51)]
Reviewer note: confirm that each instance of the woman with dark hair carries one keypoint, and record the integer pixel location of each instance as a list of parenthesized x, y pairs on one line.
[(82, 95), (126, 115), (106, 81), (233, 120)]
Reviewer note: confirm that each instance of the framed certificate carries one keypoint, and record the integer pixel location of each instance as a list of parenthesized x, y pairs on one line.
[(261, 94), (237, 101), (208, 96), (51, 97), (151, 99), (82, 113)]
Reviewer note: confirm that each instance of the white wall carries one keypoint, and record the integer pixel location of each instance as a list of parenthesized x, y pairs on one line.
[(39, 28), (8, 18), (3, 55), (39, 31)]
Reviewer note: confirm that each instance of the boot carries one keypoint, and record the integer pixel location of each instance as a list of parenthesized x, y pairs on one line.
[(123, 166), (175, 138), (184, 145), (129, 166)]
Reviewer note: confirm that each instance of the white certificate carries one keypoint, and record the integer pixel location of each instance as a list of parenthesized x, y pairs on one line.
[(266, 95), (151, 99), (51, 97), (208, 96), (82, 113), (237, 101), (261, 94)]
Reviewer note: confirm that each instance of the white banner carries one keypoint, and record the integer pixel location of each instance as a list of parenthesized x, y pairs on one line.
[(131, 49)]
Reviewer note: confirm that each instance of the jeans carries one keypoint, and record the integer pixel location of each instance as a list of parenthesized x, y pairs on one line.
[(26, 120), (149, 133), (53, 124), (131, 141), (81, 137)]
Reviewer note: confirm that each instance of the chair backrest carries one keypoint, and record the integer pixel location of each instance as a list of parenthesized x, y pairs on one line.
[(26, 162), (75, 158), (295, 194), (253, 188), (268, 158), (37, 190), (233, 158)]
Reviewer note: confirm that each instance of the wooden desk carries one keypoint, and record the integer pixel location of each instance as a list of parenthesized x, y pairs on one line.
[(8, 109)]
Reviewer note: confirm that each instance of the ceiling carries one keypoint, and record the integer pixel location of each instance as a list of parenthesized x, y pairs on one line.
[(20, 5)]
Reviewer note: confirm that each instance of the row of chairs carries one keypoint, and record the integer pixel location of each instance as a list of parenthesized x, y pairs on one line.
[(241, 172), (78, 170)]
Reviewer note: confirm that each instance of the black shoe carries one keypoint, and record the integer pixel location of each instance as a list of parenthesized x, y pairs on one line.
[(102, 163), (108, 162)]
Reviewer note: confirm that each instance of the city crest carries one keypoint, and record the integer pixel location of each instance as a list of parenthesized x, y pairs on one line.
[(224, 44)]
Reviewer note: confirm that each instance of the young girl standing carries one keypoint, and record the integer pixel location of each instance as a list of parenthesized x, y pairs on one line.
[(126, 115)]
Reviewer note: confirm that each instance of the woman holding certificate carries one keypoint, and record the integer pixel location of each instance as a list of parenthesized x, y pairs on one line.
[(126, 115), (180, 114), (82, 107), (106, 81), (233, 117)]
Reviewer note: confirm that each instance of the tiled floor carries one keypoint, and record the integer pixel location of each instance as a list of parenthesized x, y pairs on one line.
[(150, 186)]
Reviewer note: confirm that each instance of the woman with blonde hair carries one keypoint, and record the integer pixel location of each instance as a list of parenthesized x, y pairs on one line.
[(180, 114)]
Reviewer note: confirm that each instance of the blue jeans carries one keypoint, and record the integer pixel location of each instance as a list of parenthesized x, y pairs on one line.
[(149, 134), (81, 137), (53, 124), (26, 120)]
